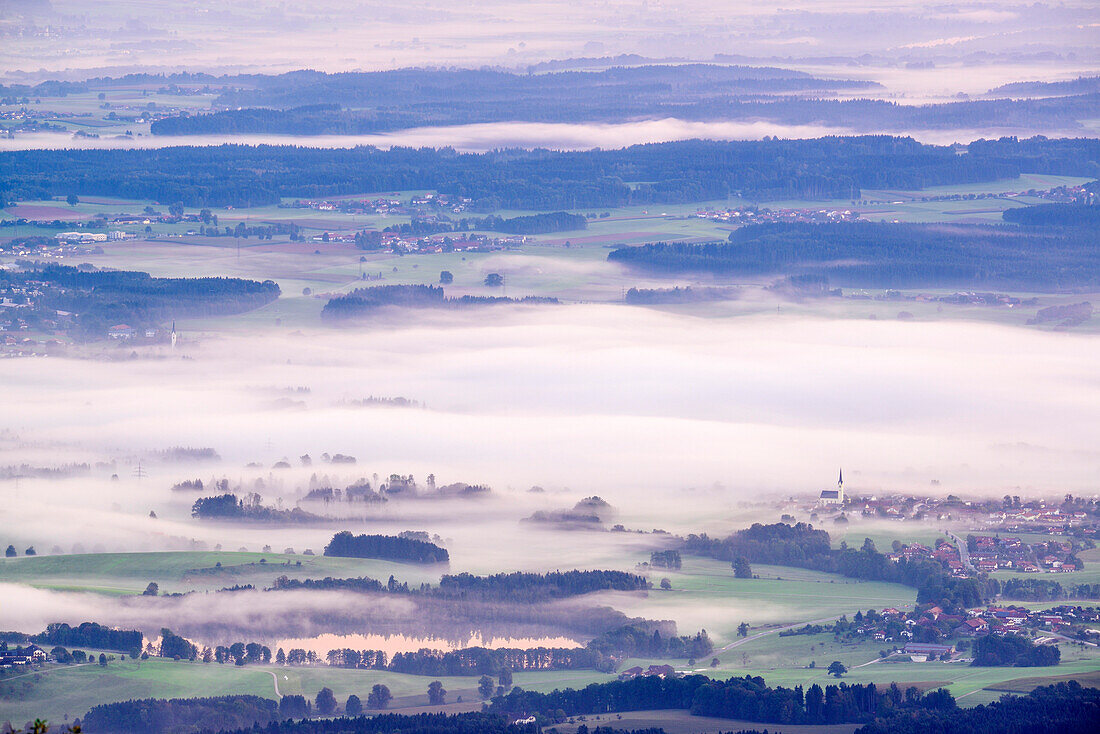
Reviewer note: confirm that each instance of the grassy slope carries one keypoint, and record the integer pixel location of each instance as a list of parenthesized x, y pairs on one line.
[(123, 573)]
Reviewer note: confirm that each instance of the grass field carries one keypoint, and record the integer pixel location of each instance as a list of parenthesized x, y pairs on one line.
[(63, 692), (129, 573), (68, 691), (706, 595)]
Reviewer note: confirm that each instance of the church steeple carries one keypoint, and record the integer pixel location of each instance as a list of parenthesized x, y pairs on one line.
[(840, 480)]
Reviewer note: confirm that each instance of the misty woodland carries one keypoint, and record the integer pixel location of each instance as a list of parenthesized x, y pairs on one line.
[(629, 367)]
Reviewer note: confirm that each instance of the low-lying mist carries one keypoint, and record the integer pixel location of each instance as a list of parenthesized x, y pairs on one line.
[(677, 421)]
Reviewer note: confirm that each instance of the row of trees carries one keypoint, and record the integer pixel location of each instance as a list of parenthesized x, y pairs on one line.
[(529, 224)]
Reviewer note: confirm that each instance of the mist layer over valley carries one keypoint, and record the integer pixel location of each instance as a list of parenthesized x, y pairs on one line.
[(624, 403)]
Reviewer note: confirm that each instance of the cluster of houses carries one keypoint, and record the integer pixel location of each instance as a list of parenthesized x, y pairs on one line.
[(656, 671), (396, 242), (21, 658), (991, 553), (1044, 516), (386, 205), (944, 552), (759, 216), (918, 628)]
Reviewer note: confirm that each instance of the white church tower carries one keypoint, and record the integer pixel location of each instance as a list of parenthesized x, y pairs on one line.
[(834, 496)]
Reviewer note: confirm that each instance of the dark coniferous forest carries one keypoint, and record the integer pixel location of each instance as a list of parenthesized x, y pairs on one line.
[(824, 168)]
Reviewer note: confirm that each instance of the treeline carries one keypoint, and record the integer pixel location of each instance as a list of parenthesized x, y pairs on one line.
[(1054, 215), (519, 587), (747, 698), (156, 715), (388, 100), (90, 634), (662, 296), (1064, 708), (1014, 650), (389, 547), (1044, 590), (802, 546), (229, 507), (471, 723), (537, 587), (888, 255), (687, 171), (604, 653), (364, 301), (530, 224)]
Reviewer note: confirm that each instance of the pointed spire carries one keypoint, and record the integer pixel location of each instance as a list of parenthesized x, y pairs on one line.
[(840, 481)]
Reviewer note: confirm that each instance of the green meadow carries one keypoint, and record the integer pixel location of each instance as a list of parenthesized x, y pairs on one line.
[(179, 571)]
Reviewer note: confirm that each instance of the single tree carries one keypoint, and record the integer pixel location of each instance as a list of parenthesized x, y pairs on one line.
[(837, 669), (354, 706), (437, 696), (151, 590), (666, 584), (743, 629), (103, 660), (294, 707), (741, 568), (280, 657), (505, 678), (494, 280), (485, 687), (325, 702), (11, 552), (446, 277), (30, 551), (72, 200), (379, 697)]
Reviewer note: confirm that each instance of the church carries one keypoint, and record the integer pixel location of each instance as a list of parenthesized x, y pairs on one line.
[(834, 496)]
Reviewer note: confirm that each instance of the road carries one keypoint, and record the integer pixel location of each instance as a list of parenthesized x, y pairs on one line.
[(776, 630), (275, 679), (964, 552)]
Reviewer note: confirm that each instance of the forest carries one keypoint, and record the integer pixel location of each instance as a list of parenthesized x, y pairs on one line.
[(889, 255), (90, 634), (1064, 708), (748, 698), (1015, 650), (180, 714), (365, 301), (346, 545), (540, 180), (1055, 215)]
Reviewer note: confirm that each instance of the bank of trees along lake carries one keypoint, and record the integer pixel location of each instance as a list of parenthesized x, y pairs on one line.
[(539, 180)]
